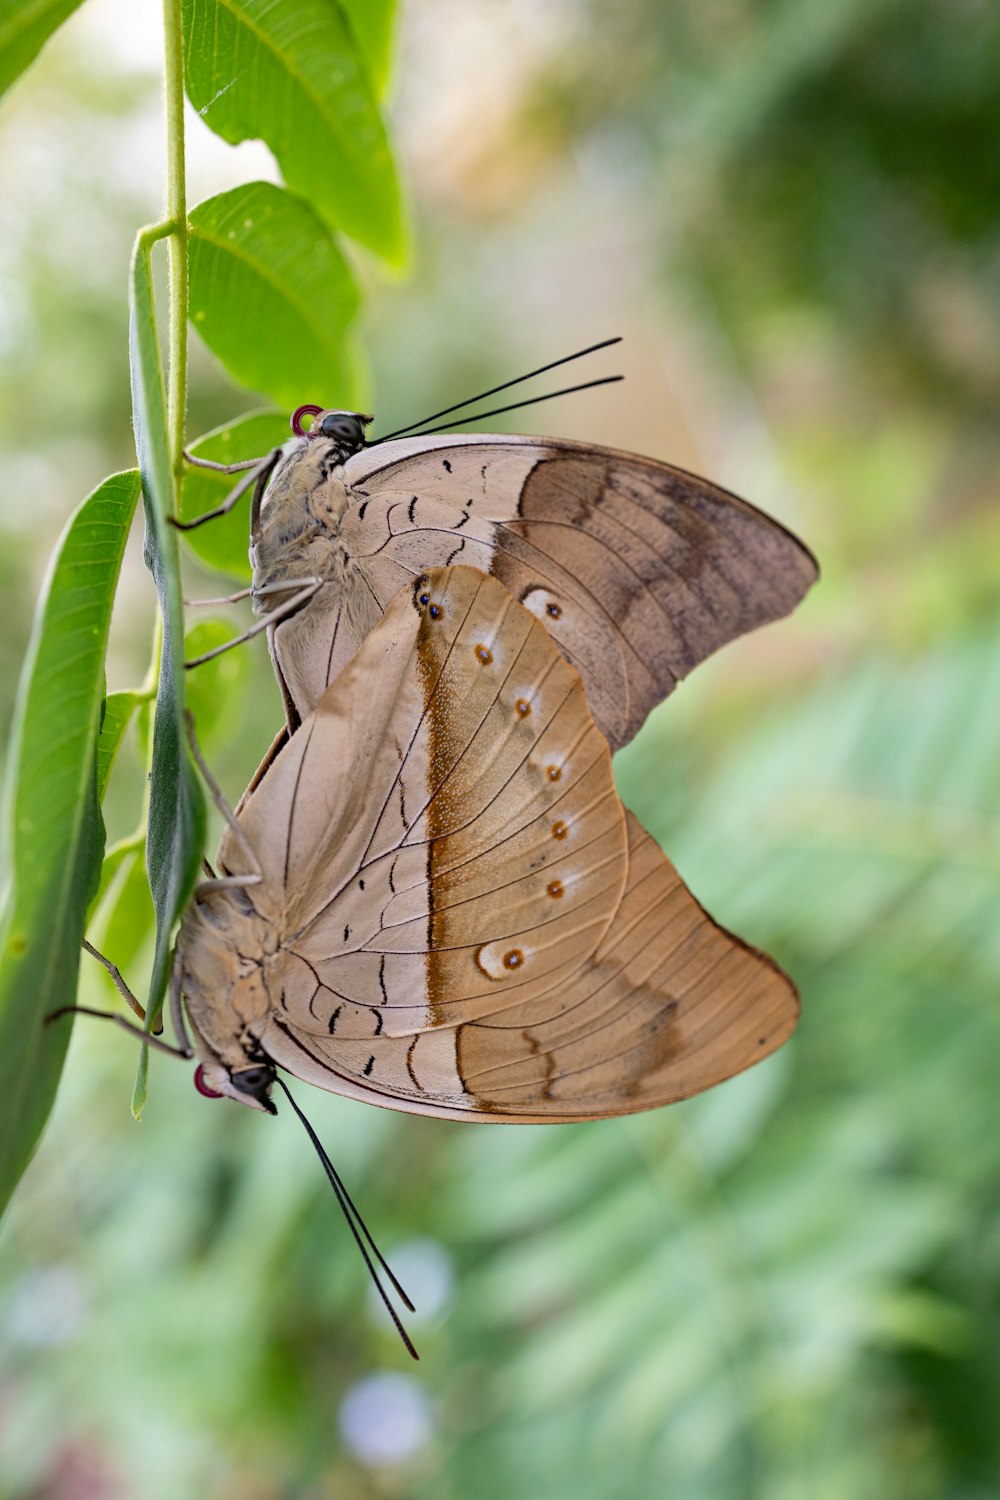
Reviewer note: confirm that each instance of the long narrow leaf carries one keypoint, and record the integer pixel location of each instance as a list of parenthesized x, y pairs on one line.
[(118, 711), (53, 833), (176, 805)]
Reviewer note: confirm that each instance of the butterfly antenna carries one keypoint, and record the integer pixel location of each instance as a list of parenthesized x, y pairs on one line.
[(566, 359), (348, 1209), (480, 416)]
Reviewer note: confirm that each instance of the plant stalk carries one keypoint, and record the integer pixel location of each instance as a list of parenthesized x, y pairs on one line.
[(176, 213)]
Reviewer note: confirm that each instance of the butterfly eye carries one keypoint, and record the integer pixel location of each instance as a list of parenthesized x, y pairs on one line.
[(252, 1080), (202, 1086), (344, 426)]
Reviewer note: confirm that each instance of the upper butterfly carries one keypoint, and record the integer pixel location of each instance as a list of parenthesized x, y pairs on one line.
[(637, 569)]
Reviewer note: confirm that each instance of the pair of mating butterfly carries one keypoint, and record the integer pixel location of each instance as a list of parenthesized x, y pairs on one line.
[(431, 896)]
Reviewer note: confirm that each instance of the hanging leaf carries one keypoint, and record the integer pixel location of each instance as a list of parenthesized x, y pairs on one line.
[(24, 30), (290, 72), (53, 834), (262, 259), (372, 22), (176, 832), (118, 711), (217, 690)]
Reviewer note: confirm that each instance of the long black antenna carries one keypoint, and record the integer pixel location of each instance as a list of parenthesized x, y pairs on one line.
[(348, 1208), (566, 359), (480, 416)]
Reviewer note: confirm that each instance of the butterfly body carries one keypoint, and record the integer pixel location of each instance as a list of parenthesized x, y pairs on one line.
[(637, 570), (453, 913)]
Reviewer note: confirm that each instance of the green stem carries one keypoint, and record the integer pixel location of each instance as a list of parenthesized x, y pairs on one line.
[(177, 215)]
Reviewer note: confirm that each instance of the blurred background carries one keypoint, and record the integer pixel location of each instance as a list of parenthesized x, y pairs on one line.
[(786, 1287)]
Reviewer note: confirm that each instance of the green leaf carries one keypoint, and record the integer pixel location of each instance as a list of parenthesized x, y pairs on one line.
[(224, 543), (118, 711), (289, 72), (25, 27), (53, 834), (217, 690), (262, 260), (176, 831), (114, 858), (372, 22)]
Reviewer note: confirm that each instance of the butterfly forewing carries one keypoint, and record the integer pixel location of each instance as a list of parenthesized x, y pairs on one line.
[(638, 570)]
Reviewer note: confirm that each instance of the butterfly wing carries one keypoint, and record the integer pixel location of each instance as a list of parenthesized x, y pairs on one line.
[(415, 822), (668, 1005), (637, 569), (467, 925)]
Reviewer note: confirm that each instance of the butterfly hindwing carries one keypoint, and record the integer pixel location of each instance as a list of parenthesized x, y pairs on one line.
[(670, 1004)]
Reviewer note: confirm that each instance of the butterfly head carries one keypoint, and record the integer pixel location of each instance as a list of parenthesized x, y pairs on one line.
[(344, 428), (249, 1084)]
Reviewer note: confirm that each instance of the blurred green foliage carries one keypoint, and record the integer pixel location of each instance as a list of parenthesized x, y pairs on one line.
[(787, 1287)]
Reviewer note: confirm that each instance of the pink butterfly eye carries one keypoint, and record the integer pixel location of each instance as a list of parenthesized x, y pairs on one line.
[(202, 1086)]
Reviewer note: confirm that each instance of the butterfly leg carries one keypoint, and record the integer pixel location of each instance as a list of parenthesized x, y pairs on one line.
[(256, 476), (117, 980), (209, 463), (221, 599), (109, 1015), (184, 1051), (177, 1008), (306, 587), (222, 882)]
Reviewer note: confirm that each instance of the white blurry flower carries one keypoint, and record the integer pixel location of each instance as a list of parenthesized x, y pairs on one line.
[(385, 1419)]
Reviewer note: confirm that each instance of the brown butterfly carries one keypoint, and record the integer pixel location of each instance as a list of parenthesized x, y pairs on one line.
[(433, 898), (637, 569)]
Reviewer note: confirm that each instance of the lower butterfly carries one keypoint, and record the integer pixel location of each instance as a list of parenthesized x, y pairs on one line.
[(434, 900)]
